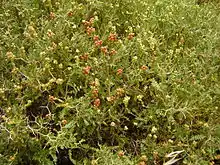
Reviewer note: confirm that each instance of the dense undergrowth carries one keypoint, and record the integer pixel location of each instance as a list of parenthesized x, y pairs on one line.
[(109, 82)]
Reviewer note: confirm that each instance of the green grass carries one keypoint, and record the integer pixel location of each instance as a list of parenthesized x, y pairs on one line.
[(109, 82)]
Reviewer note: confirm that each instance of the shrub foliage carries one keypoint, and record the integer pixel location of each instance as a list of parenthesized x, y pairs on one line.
[(109, 82)]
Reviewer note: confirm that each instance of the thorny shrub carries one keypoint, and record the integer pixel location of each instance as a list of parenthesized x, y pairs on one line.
[(109, 82)]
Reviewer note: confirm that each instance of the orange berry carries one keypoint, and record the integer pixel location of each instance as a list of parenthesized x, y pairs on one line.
[(142, 163), (104, 49), (90, 30), (51, 99), (86, 23), (86, 70), (130, 36), (97, 102), (112, 37), (121, 153), (144, 67), (95, 92), (64, 122), (50, 33), (112, 52), (94, 83), (98, 43), (84, 57), (119, 71), (95, 38), (52, 15), (70, 14)]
